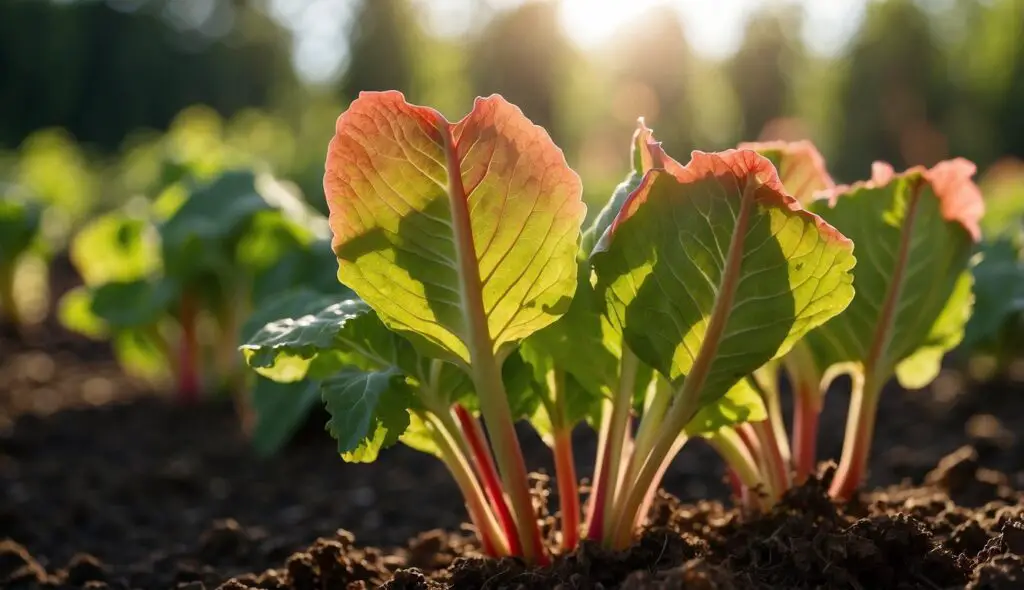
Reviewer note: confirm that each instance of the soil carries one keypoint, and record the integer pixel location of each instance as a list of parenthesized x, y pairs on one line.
[(107, 484)]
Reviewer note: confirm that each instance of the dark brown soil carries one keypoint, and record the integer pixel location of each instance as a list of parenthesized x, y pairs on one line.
[(105, 484)]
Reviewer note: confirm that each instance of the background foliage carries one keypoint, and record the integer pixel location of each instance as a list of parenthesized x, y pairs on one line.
[(96, 88)]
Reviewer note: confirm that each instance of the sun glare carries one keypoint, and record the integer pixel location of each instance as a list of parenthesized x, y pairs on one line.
[(589, 22)]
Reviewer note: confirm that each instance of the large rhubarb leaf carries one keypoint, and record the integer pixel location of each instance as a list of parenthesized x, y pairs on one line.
[(368, 411), (799, 164), (461, 236), (712, 269), (915, 233)]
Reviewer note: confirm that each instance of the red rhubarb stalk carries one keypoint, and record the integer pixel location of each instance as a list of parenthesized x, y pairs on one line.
[(805, 431), (568, 492), (488, 474), (188, 357), (777, 473), (565, 468)]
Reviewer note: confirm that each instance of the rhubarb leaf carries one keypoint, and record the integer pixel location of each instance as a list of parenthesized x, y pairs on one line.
[(582, 343), (742, 403), (283, 350), (132, 304), (454, 233), (915, 233), (800, 166), (998, 291), (115, 247), (20, 222), (418, 436), (714, 262), (368, 411)]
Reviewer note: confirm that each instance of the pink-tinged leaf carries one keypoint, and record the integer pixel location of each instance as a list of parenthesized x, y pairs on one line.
[(462, 236), (917, 230), (800, 166), (915, 233), (714, 269)]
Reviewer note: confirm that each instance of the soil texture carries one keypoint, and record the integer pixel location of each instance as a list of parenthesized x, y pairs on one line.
[(107, 484)]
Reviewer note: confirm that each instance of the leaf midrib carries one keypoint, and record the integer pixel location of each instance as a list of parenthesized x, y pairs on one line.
[(726, 294), (882, 336)]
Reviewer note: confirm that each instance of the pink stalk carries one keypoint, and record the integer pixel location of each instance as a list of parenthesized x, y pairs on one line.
[(735, 485), (806, 412), (488, 474), (565, 468), (188, 356), (599, 487), (615, 458), (645, 506), (776, 470), (749, 438), (860, 427), (480, 512), (568, 491)]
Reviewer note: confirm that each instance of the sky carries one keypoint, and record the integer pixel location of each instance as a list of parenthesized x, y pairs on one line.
[(714, 28)]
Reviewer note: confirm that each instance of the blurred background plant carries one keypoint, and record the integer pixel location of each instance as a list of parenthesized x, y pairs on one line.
[(120, 105)]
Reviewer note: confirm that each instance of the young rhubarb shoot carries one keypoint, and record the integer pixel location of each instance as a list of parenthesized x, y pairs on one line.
[(463, 238), (712, 269), (915, 233)]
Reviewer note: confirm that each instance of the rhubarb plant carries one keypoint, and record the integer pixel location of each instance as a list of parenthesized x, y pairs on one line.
[(20, 221), (915, 233), (710, 270), (171, 292), (474, 291)]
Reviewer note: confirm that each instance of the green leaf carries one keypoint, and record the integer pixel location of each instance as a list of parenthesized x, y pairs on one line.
[(799, 164), (76, 314), (281, 409), (368, 412), (419, 436), (215, 211), (742, 403), (640, 156), (712, 269), (915, 233), (19, 225), (283, 350), (478, 258), (140, 354), (232, 225), (115, 247), (133, 304), (582, 343), (998, 291)]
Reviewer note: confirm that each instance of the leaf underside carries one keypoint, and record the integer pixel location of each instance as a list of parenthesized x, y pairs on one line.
[(663, 269)]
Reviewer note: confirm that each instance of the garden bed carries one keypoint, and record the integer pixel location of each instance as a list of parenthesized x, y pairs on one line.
[(103, 482)]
